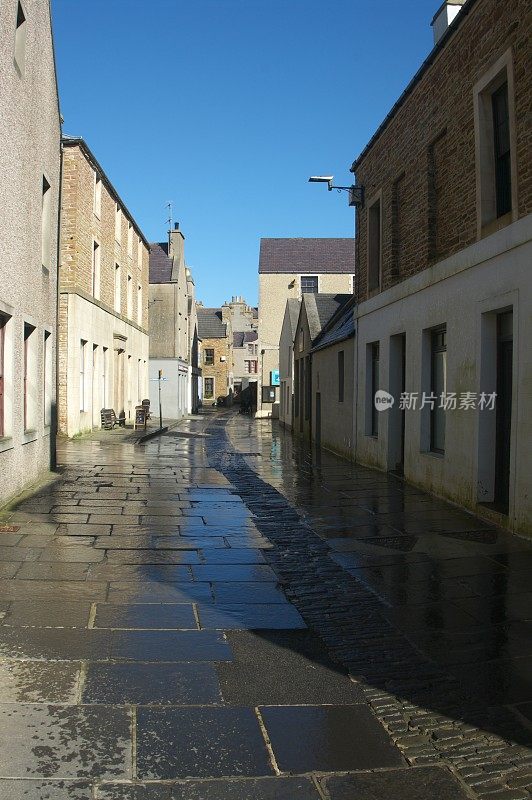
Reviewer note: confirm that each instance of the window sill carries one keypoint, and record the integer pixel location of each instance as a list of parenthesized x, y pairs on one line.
[(6, 443), (29, 436), (496, 224), (433, 454)]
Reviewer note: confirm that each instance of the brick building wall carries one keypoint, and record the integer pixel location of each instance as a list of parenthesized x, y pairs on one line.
[(424, 160), (113, 325), (220, 370)]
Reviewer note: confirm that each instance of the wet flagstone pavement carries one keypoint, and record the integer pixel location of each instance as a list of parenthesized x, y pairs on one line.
[(221, 615)]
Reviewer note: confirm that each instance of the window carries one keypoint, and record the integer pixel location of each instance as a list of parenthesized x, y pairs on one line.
[(372, 386), (3, 324), (209, 356), (438, 387), (118, 280), (96, 270), (208, 388), (103, 385), (353, 283), (82, 373), (20, 40), (139, 253), (341, 376), (495, 146), (46, 228), (130, 239), (250, 367), (374, 246), (501, 145), (29, 372), (129, 296), (97, 204), (47, 378), (118, 224), (309, 284), (139, 304), (139, 380)]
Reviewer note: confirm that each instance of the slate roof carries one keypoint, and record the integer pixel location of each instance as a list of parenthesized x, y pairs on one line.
[(293, 307), (210, 325), (340, 326), (160, 263), (240, 338), (320, 308), (307, 256)]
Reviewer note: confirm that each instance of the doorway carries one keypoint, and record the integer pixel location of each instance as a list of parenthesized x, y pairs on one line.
[(317, 437), (396, 422), (503, 423)]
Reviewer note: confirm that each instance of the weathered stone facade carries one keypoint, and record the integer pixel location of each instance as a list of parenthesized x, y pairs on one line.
[(103, 302), (423, 160), (282, 266), (30, 159), (215, 332), (444, 271)]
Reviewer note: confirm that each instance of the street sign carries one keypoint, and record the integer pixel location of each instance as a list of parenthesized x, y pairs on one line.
[(275, 378)]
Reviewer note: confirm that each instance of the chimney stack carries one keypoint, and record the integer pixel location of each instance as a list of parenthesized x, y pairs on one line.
[(444, 17)]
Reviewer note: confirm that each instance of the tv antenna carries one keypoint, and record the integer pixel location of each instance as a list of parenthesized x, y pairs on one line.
[(170, 214)]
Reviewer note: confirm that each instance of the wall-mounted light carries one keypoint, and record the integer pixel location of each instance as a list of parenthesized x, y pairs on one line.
[(356, 193)]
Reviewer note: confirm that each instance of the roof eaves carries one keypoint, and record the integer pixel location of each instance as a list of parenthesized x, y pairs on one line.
[(78, 141), (451, 30)]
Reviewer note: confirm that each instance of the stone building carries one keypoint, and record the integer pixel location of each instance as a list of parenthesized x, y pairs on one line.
[(333, 382), (103, 297), (246, 348), (286, 362), (443, 279), (290, 268), (174, 347), (30, 159), (315, 311), (216, 335)]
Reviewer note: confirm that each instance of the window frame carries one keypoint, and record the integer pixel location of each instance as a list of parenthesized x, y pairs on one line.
[(206, 360), (374, 245), (309, 276), (436, 348), (501, 72), (19, 48), (205, 380)]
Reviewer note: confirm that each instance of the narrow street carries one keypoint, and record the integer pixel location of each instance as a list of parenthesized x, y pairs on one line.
[(220, 615)]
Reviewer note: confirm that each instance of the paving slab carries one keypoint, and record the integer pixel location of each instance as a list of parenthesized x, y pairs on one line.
[(283, 668), (64, 742), (328, 738), (155, 592), (45, 790), (404, 784), (199, 742), (281, 788), (140, 615), (276, 616), (229, 572), (55, 613), (54, 644), (247, 592), (169, 646), (151, 684), (39, 682)]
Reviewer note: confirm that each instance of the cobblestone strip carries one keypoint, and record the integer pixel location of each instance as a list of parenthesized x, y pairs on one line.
[(424, 710)]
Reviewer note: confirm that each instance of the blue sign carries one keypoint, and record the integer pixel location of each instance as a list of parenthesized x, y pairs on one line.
[(274, 378)]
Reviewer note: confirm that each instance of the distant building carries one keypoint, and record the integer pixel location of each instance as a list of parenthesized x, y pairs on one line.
[(174, 347), (244, 324), (333, 382), (286, 362), (216, 335), (103, 297), (30, 158), (315, 311), (444, 281), (290, 268)]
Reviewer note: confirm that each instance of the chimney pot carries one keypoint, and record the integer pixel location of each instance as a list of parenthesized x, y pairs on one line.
[(444, 17)]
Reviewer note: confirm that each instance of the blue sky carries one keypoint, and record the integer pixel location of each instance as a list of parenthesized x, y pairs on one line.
[(225, 107)]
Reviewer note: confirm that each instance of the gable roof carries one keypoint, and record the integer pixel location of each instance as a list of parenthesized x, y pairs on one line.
[(307, 256), (240, 338), (210, 325), (340, 326), (320, 308), (160, 263)]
